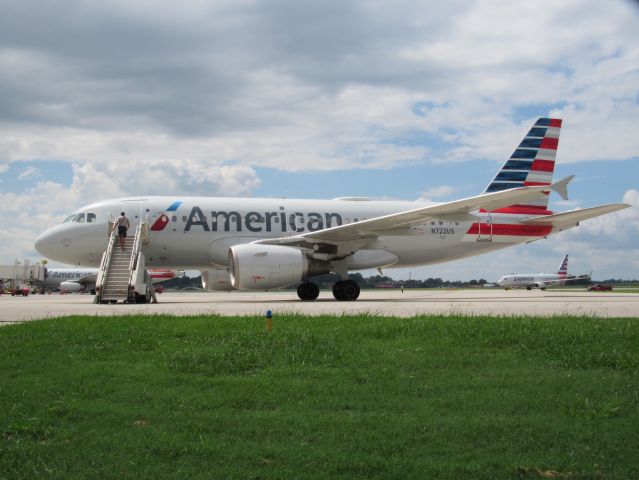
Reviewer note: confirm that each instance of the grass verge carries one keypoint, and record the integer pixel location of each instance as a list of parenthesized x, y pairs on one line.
[(320, 397)]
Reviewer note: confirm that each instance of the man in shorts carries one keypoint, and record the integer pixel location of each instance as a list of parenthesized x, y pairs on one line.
[(122, 223)]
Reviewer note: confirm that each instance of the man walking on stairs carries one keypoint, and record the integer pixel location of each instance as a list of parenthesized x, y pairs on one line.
[(123, 225)]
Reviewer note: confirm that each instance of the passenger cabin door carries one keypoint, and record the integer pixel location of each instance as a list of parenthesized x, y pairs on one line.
[(485, 227)]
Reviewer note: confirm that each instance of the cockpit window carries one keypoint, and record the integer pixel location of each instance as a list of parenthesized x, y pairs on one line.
[(81, 217)]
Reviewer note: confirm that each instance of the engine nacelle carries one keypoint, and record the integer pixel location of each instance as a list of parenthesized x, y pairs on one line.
[(71, 287), (216, 279), (262, 267)]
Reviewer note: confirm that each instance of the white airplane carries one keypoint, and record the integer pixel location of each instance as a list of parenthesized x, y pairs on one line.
[(83, 279), (269, 243), (539, 280), (70, 279)]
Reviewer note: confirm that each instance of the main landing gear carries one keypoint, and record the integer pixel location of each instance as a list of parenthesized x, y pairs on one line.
[(308, 291), (344, 290)]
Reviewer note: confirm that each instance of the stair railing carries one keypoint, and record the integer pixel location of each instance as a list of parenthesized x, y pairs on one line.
[(104, 266), (140, 238), (136, 247)]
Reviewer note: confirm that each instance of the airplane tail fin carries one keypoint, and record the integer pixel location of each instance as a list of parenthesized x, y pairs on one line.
[(563, 268), (532, 163)]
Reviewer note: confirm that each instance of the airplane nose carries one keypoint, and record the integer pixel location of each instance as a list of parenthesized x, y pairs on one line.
[(43, 244), (48, 244)]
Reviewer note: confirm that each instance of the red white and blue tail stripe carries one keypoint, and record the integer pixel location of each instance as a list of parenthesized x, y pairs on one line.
[(563, 268), (532, 163)]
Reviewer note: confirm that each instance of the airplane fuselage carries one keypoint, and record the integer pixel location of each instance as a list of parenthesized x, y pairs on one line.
[(532, 280), (196, 232)]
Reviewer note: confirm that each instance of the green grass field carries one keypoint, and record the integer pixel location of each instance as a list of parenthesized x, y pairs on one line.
[(320, 397)]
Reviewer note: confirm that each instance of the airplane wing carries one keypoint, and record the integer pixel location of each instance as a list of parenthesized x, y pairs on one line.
[(578, 277), (353, 236), (561, 221), (90, 278), (562, 281)]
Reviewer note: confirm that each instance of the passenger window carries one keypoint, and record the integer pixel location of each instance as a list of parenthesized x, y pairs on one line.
[(79, 218), (90, 217)]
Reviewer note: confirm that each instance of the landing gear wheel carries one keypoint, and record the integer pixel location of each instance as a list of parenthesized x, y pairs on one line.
[(346, 290), (308, 291)]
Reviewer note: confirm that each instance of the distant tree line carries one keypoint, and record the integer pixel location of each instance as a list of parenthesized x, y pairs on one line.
[(615, 280), (382, 281)]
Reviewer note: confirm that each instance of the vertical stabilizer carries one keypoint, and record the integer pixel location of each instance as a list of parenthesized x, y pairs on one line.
[(532, 163), (563, 268)]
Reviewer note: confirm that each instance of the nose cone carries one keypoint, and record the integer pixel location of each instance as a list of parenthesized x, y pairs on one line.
[(75, 244), (44, 244), (55, 244)]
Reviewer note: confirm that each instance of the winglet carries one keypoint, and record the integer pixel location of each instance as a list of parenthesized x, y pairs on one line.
[(561, 187)]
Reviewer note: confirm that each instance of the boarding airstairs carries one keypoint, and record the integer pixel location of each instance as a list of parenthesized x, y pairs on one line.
[(123, 276)]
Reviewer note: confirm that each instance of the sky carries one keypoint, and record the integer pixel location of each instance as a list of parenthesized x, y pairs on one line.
[(390, 100)]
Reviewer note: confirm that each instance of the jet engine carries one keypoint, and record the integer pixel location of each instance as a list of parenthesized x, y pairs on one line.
[(216, 279), (71, 287), (262, 267)]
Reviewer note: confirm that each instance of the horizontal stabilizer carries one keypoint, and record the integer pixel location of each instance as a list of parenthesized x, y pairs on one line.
[(567, 219), (561, 187)]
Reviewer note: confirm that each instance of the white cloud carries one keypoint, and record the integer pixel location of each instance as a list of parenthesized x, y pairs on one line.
[(283, 97), (436, 192), (29, 173)]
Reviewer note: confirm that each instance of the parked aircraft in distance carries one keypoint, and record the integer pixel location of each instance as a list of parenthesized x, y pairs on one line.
[(539, 280), (70, 279), (269, 243), (83, 279)]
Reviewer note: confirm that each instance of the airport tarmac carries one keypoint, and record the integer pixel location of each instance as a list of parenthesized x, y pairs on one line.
[(388, 302)]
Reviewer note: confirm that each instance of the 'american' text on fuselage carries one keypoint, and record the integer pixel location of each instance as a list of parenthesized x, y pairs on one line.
[(262, 222)]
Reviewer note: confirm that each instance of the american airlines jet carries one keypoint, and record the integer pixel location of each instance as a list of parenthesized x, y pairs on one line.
[(268, 243), (83, 279), (70, 279), (539, 280)]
